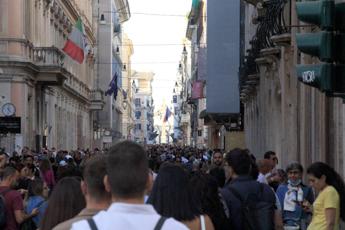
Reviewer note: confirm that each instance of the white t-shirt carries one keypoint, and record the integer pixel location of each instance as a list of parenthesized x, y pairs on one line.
[(129, 217), (262, 178)]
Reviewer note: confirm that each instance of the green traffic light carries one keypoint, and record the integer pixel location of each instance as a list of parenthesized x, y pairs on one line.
[(316, 44), (320, 13), (327, 77), (340, 16), (319, 76)]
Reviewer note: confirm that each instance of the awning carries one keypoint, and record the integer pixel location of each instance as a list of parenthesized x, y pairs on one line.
[(203, 114)]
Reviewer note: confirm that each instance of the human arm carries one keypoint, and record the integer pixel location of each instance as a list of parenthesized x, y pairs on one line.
[(21, 216), (278, 220), (330, 214)]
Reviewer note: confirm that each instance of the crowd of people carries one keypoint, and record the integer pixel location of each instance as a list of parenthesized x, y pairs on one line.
[(165, 187)]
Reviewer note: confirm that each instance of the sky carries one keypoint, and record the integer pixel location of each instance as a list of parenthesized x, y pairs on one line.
[(158, 41)]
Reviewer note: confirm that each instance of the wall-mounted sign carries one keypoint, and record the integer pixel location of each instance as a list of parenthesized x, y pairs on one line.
[(10, 124)]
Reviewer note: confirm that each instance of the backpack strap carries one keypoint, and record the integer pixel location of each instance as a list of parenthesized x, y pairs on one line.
[(202, 222), (160, 223), (92, 224), (236, 194)]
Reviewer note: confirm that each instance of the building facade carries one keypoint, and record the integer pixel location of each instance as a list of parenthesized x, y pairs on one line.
[(129, 89), (144, 109), (112, 14), (54, 96), (281, 114)]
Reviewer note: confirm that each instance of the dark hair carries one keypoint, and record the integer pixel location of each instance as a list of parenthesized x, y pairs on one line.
[(268, 154), (254, 169), (239, 160), (218, 174), (93, 175), (205, 193), (171, 195), (127, 169), (8, 172), (294, 165), (65, 202), (19, 166), (35, 187), (45, 165), (318, 169)]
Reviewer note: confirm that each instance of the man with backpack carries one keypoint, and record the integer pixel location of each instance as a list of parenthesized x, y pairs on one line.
[(11, 203), (127, 179), (251, 204)]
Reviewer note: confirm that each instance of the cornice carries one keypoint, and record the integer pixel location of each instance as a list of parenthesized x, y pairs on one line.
[(75, 13)]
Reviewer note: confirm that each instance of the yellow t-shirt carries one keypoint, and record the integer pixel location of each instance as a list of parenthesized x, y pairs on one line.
[(328, 198)]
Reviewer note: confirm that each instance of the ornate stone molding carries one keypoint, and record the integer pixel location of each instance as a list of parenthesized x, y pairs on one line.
[(282, 39)]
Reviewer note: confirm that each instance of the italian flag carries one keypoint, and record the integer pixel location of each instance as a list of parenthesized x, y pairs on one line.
[(75, 44)]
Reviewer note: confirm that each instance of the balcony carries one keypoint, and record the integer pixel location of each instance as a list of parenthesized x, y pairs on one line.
[(97, 100), (50, 63)]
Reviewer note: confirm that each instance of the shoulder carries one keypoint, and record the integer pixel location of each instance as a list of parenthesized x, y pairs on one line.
[(80, 225), (13, 194), (268, 193), (282, 187), (330, 191), (68, 223), (173, 224)]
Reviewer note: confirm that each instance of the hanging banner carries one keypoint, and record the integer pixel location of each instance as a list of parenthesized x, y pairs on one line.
[(198, 89)]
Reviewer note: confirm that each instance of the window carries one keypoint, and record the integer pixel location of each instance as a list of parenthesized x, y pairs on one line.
[(138, 126), (137, 114), (175, 99), (137, 102)]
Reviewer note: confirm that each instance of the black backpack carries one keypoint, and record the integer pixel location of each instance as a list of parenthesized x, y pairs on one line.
[(3, 208), (256, 213)]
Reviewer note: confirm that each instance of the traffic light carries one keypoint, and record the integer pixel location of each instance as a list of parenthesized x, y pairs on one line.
[(328, 45)]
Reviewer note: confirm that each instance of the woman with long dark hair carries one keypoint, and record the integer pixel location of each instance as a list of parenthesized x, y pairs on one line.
[(205, 191), (65, 202), (171, 197), (329, 205), (47, 173)]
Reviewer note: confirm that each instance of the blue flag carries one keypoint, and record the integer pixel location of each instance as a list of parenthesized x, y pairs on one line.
[(112, 87), (167, 114)]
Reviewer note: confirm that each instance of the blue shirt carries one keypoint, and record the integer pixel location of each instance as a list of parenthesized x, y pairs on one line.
[(294, 217), (36, 202)]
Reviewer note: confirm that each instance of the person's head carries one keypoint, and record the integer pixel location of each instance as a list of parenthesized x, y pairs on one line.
[(45, 165), (320, 175), (64, 203), (237, 162), (205, 194), (178, 160), (93, 175), (3, 159), (37, 187), (22, 169), (171, 194), (264, 166), (217, 158), (127, 171), (219, 175), (270, 155), (28, 160), (10, 176), (294, 172)]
